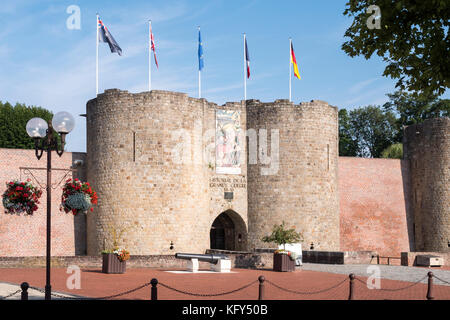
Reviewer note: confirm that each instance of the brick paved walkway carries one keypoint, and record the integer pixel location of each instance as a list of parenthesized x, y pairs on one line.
[(96, 284)]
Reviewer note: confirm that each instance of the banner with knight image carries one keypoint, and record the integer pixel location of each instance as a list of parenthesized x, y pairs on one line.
[(228, 145)]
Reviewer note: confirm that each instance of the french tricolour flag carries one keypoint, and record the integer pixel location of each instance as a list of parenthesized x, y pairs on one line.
[(247, 59)]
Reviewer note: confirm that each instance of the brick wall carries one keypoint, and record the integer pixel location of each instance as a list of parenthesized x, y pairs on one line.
[(23, 235), (374, 211)]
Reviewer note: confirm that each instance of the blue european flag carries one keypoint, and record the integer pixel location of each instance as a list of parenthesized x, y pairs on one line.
[(200, 52)]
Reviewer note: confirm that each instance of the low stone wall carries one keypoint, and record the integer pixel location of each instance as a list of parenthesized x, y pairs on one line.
[(360, 257), (339, 257), (241, 260), (253, 260), (410, 258), (263, 258)]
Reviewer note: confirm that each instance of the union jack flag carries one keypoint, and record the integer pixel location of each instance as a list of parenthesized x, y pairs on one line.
[(152, 45)]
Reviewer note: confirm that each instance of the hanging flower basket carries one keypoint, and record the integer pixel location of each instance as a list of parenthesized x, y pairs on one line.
[(21, 197), (77, 197)]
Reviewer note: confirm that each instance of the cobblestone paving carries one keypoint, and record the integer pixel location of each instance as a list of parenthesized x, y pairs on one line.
[(402, 273)]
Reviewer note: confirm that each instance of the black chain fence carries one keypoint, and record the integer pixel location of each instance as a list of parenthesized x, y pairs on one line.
[(308, 292), (261, 280), (447, 282), (92, 298), (10, 295), (396, 289), (208, 294)]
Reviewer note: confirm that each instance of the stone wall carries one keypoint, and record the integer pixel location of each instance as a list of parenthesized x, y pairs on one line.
[(23, 235), (151, 181), (151, 159), (410, 258), (218, 184), (238, 260), (374, 205), (427, 148), (302, 190)]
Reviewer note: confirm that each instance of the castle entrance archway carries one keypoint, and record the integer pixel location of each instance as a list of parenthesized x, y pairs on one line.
[(228, 232)]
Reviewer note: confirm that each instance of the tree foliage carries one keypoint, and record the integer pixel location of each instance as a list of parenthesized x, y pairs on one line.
[(13, 120), (413, 39), (366, 131), (412, 110), (394, 151), (280, 235), (348, 143)]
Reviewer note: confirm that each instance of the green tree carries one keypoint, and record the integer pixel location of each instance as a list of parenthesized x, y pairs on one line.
[(394, 151), (413, 39), (348, 145), (280, 235), (370, 130), (411, 109), (13, 120)]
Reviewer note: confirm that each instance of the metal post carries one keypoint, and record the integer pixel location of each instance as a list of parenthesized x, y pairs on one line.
[(24, 286), (154, 290), (352, 278), (48, 287), (261, 280), (430, 286)]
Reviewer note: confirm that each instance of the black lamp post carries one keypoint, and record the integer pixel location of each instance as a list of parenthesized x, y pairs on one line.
[(45, 140)]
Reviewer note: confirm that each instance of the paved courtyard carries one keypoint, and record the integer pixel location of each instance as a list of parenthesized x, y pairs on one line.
[(311, 282)]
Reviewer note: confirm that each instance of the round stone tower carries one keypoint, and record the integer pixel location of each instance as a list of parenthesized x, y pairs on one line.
[(143, 160), (427, 147), (295, 178)]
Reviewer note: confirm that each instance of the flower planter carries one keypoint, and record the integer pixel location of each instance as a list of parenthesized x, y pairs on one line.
[(112, 264), (282, 262)]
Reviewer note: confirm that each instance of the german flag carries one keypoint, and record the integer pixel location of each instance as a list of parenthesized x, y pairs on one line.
[(294, 62)]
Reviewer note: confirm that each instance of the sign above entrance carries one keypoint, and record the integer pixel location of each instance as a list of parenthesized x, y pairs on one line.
[(228, 184), (228, 146)]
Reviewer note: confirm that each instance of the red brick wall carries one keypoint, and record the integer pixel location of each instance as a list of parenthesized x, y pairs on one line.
[(22, 235), (373, 205), (373, 211)]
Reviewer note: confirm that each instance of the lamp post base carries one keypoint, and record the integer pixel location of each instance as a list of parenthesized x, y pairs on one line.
[(48, 292)]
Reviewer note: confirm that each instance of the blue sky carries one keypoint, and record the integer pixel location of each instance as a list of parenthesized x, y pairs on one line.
[(44, 63)]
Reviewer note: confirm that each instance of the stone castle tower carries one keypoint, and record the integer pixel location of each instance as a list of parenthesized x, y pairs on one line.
[(303, 192), (152, 159), (427, 147)]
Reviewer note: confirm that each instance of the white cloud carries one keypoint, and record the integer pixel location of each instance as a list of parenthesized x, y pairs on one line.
[(361, 85)]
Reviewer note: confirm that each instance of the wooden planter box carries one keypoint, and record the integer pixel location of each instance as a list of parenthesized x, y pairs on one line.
[(282, 262), (112, 264)]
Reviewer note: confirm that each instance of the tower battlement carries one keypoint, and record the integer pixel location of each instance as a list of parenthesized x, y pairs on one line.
[(137, 144)]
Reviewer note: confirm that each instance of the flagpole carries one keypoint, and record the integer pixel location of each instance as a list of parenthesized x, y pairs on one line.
[(96, 60), (245, 73), (149, 55), (199, 74), (290, 69)]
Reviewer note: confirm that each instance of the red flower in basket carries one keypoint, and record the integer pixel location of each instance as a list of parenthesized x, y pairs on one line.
[(77, 197), (21, 197)]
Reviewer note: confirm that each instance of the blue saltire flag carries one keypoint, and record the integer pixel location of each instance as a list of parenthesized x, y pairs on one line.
[(200, 52), (105, 36)]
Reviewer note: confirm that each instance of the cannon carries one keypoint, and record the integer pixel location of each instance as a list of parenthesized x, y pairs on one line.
[(219, 262)]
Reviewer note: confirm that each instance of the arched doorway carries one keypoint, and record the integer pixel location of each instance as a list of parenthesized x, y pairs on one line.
[(228, 232)]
